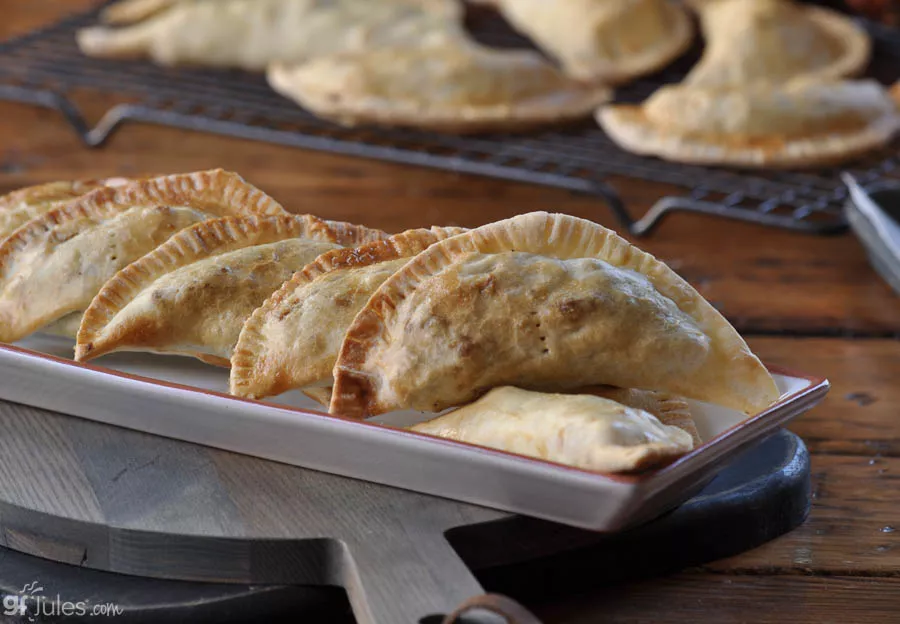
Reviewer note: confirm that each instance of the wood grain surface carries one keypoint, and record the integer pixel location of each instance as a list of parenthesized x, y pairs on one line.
[(807, 302), (106, 498)]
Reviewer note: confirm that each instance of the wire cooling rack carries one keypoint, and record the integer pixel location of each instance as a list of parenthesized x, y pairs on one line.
[(44, 67)]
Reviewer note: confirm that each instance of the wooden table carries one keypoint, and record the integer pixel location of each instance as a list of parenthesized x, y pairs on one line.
[(804, 302)]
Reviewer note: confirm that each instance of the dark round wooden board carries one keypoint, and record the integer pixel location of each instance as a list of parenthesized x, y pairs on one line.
[(218, 533)]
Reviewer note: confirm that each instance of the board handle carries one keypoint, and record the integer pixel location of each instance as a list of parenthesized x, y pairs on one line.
[(416, 577), (507, 608)]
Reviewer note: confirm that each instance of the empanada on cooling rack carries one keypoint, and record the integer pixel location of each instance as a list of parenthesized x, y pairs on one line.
[(461, 88), (609, 41), (542, 302), (580, 430), (54, 265), (773, 41), (802, 124), (23, 205), (251, 34), (292, 340), (192, 295)]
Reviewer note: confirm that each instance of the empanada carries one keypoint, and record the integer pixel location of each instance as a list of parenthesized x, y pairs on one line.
[(543, 302), (54, 265), (580, 430), (801, 124), (773, 41), (292, 340), (251, 34), (461, 87), (668, 408), (191, 295), (609, 41), (23, 205)]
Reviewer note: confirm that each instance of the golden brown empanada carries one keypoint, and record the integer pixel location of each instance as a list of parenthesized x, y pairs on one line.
[(773, 41), (23, 205), (54, 265), (251, 34), (609, 41), (580, 430), (801, 124), (460, 87), (543, 302), (292, 340), (191, 295)]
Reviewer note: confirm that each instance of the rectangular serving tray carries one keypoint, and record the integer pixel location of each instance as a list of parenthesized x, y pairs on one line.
[(185, 399)]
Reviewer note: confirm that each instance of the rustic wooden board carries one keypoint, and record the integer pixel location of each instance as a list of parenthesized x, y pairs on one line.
[(111, 499), (155, 601)]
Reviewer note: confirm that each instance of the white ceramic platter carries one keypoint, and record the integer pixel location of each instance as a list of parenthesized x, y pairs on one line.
[(185, 399)]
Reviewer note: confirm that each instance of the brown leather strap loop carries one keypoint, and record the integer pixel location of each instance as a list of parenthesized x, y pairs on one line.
[(512, 611)]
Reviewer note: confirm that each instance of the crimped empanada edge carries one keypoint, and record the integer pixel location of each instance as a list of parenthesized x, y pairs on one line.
[(251, 342), (628, 127), (197, 242), (557, 235), (217, 192), (675, 411), (353, 235), (670, 409), (61, 190)]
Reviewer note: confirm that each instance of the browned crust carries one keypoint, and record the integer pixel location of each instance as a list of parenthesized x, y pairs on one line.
[(199, 241), (217, 192), (353, 235), (42, 198), (403, 245), (52, 192), (555, 235)]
